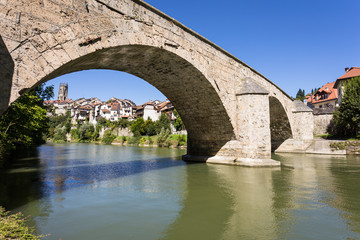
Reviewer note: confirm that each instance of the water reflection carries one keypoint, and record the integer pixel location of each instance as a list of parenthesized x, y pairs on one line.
[(148, 193), (20, 183), (309, 198), (206, 207)]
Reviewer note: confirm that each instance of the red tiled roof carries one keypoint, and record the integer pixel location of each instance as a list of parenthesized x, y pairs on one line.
[(114, 106), (105, 110), (353, 72), (163, 104), (147, 103), (327, 88), (85, 107)]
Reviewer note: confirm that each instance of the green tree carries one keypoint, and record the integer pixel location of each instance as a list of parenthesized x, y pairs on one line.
[(162, 123), (149, 127), (102, 121), (347, 116), (300, 95), (178, 123), (75, 134), (164, 138), (108, 137), (59, 121), (25, 123), (137, 127), (124, 123), (86, 132)]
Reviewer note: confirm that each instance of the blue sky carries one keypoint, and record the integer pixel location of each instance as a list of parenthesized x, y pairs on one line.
[(296, 44)]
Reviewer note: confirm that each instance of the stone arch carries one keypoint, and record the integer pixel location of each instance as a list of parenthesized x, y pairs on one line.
[(51, 38), (197, 102), (280, 128)]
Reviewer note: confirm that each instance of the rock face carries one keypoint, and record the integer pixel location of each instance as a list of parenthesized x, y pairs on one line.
[(227, 106)]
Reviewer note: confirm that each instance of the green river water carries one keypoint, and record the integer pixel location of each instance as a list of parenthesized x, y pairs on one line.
[(89, 191)]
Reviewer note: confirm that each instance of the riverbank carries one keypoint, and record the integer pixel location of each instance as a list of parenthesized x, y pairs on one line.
[(14, 226), (161, 140)]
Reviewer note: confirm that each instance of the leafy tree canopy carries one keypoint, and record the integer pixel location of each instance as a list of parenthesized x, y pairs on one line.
[(25, 122), (347, 116), (178, 123), (300, 95)]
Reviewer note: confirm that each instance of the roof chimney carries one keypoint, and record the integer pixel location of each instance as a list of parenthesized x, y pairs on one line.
[(347, 69)]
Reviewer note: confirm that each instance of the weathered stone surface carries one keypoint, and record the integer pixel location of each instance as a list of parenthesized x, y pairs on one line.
[(321, 123), (224, 115), (280, 127), (314, 146), (301, 107), (246, 162), (250, 87)]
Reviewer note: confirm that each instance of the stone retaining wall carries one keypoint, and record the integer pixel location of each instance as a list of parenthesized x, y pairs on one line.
[(321, 123)]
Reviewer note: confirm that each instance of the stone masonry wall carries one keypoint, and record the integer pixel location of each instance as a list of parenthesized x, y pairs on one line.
[(321, 122), (43, 39)]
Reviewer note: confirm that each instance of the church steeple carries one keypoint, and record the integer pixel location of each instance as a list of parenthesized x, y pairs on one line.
[(63, 92)]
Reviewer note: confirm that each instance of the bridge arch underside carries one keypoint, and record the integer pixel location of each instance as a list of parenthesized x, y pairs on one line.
[(280, 128), (201, 109)]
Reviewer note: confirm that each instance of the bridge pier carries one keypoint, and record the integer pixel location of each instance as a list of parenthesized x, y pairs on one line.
[(252, 146)]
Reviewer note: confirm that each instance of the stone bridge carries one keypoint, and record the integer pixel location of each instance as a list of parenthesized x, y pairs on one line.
[(233, 114)]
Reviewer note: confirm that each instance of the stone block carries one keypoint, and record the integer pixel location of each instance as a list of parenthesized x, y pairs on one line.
[(44, 65), (49, 39), (10, 29), (39, 43), (71, 50), (52, 59), (47, 15), (76, 29)]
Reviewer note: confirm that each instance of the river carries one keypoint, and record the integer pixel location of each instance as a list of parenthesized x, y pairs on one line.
[(89, 191)]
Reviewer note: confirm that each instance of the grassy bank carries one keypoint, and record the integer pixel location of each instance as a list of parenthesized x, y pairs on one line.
[(164, 139), (13, 226), (174, 140)]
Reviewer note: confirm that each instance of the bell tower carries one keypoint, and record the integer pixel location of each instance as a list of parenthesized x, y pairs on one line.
[(63, 92)]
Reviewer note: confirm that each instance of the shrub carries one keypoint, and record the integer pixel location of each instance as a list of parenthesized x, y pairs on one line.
[(180, 139), (14, 227), (137, 127), (60, 134), (121, 123), (164, 138), (145, 140), (133, 140), (338, 145), (178, 123), (108, 137), (102, 122), (86, 132), (75, 134), (162, 123)]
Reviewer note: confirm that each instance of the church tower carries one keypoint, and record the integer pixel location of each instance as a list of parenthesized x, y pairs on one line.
[(63, 92)]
